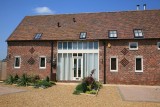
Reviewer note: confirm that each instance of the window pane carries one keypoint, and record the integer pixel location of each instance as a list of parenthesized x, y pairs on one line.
[(133, 45), (74, 45), (69, 45), (138, 64), (84, 45), (113, 64), (59, 45), (42, 62), (138, 33), (17, 62), (79, 45), (113, 34), (158, 45), (95, 45), (65, 45), (90, 44)]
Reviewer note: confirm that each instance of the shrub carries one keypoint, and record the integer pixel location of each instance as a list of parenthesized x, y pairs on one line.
[(47, 79), (34, 79), (91, 92), (88, 85), (16, 77), (9, 80), (24, 80), (44, 84)]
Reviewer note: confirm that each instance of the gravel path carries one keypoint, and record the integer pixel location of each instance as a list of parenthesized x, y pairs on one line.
[(61, 96)]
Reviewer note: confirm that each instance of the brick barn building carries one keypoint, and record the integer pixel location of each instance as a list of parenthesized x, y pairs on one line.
[(122, 47)]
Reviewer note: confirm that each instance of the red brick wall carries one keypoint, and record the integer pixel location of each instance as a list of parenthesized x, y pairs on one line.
[(22, 49), (127, 75)]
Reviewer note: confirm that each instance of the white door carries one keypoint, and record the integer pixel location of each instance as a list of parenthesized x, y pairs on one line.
[(77, 68)]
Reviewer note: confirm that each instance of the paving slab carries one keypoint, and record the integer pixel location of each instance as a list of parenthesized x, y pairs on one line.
[(8, 90), (140, 93)]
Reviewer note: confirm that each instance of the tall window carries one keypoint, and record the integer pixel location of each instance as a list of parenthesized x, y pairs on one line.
[(42, 62), (138, 64), (112, 34), (17, 62), (138, 33), (113, 64)]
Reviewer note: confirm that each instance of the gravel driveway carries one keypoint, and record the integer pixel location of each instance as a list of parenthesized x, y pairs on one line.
[(61, 96)]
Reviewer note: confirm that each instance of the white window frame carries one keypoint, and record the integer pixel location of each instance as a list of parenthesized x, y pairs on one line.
[(19, 62), (158, 43), (116, 64), (139, 32), (141, 64), (133, 48), (113, 34), (40, 62)]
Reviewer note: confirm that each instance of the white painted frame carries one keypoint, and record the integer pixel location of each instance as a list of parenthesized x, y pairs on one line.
[(40, 62), (116, 64), (141, 64), (158, 43), (133, 48), (77, 51), (19, 62), (77, 78)]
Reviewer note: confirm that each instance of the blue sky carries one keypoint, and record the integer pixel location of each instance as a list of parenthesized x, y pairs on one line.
[(13, 11)]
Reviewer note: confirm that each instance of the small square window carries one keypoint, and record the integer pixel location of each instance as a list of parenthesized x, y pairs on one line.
[(42, 62), (37, 36), (138, 33), (112, 34), (133, 46), (83, 35), (158, 45)]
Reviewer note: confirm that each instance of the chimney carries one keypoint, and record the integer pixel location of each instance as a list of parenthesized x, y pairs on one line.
[(144, 6), (138, 7)]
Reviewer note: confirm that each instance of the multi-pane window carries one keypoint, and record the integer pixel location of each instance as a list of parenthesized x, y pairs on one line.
[(77, 45), (83, 35), (17, 62), (113, 64), (42, 63), (37, 36), (138, 33), (133, 45), (158, 45), (112, 34), (138, 64)]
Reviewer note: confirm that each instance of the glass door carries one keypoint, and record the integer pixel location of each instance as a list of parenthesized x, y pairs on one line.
[(77, 68)]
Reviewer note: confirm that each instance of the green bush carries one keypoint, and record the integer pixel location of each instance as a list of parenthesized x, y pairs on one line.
[(9, 80), (47, 79), (24, 80), (34, 79), (16, 77), (91, 92), (77, 92), (44, 84), (88, 85)]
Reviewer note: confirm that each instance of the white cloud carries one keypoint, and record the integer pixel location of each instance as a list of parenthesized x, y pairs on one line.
[(43, 10)]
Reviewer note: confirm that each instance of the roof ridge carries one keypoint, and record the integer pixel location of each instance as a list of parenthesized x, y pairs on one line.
[(92, 12)]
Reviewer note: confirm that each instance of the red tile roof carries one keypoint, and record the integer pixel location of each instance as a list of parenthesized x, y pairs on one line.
[(95, 24)]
